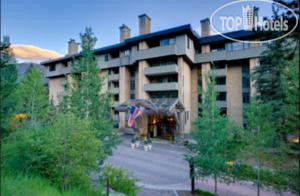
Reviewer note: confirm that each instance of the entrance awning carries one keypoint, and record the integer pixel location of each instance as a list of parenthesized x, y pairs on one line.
[(167, 106)]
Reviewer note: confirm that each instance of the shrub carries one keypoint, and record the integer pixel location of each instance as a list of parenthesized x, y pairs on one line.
[(24, 185), (203, 193), (279, 180), (120, 180), (65, 151)]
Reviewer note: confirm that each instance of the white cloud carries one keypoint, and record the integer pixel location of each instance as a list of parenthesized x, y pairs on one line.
[(32, 53)]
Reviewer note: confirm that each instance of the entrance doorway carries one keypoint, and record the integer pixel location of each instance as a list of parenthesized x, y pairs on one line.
[(162, 127)]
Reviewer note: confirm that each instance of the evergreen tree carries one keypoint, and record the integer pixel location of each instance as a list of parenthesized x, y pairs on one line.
[(8, 82), (216, 140), (259, 135), (87, 100), (274, 63), (32, 99), (290, 83)]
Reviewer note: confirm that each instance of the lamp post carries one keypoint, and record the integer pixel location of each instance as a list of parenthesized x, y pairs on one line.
[(192, 176)]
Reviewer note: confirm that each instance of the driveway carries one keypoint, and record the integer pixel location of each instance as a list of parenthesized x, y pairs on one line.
[(163, 171)]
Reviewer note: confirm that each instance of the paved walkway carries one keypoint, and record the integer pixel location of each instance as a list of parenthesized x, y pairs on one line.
[(163, 171)]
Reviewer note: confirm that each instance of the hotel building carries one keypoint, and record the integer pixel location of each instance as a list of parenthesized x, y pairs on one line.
[(164, 69)]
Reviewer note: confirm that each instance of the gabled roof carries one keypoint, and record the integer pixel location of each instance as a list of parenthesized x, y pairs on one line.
[(158, 105)]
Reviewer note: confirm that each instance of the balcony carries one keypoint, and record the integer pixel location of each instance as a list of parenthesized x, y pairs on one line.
[(113, 77), (222, 104), (218, 72), (246, 53), (115, 104), (168, 86), (60, 70), (211, 56), (115, 117), (113, 90), (161, 70), (220, 88), (125, 60), (251, 52), (154, 52)]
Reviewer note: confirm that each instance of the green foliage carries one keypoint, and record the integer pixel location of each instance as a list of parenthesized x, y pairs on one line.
[(259, 133), (203, 193), (65, 151), (279, 180), (217, 140), (119, 180), (260, 136), (32, 99), (86, 98), (24, 185), (8, 82), (290, 83)]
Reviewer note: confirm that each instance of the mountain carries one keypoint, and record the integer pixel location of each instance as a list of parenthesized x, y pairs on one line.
[(22, 69)]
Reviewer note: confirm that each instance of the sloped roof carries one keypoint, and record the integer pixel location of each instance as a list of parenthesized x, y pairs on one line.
[(157, 105)]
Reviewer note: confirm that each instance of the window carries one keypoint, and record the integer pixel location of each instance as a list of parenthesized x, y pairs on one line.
[(246, 82), (221, 80), (132, 96), (233, 46), (245, 76), (188, 43), (221, 96), (167, 94), (172, 40), (223, 111), (164, 42), (163, 63), (106, 58), (167, 41), (246, 97), (163, 79), (52, 68), (132, 84), (126, 52)]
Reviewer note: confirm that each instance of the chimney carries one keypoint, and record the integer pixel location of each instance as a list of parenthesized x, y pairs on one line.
[(72, 47), (124, 32), (205, 27), (144, 24)]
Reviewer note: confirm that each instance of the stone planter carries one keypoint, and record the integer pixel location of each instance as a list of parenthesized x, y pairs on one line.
[(149, 146), (132, 145), (145, 147), (137, 144)]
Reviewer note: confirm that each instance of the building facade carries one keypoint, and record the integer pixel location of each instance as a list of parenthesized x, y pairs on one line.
[(169, 65)]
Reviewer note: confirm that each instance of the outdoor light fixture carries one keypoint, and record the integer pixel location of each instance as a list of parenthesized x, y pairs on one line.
[(20, 116)]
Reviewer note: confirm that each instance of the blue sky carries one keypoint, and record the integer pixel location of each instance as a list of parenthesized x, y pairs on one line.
[(51, 23)]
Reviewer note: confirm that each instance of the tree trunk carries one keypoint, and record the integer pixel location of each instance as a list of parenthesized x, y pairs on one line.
[(258, 177), (216, 185)]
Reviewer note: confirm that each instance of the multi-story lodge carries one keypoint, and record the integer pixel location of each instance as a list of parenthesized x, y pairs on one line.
[(165, 69)]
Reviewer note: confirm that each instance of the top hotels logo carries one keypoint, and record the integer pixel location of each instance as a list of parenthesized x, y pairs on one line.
[(249, 20)]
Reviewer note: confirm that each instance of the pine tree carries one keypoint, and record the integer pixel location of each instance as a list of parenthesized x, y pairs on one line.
[(32, 99), (215, 139), (290, 83), (273, 65), (8, 82), (87, 100)]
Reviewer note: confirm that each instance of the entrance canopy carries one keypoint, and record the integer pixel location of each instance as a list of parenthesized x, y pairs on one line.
[(161, 117), (162, 106)]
